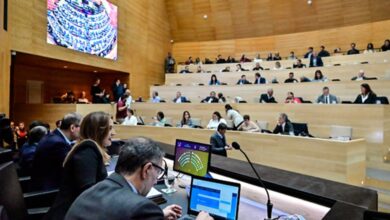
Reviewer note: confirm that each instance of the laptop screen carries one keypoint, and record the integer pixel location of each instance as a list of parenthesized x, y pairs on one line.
[(219, 198)]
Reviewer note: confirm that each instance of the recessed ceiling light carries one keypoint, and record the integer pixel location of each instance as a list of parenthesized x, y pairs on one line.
[(95, 71), (65, 67), (205, 16)]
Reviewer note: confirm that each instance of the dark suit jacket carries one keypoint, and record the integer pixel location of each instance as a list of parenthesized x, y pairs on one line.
[(113, 199), (319, 61), (84, 169), (264, 98), (287, 129), (261, 79), (355, 78), (243, 82), (183, 99), (370, 100), (213, 99), (47, 165), (218, 144), (323, 53)]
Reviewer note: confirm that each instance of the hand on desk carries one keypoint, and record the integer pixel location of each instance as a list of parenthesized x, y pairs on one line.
[(172, 212), (204, 216)]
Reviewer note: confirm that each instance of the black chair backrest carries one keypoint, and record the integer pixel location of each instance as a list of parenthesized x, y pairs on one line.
[(11, 196), (3, 213), (373, 215), (383, 99), (5, 155), (300, 128)]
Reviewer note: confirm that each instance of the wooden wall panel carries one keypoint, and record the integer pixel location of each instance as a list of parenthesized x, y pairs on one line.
[(375, 32), (143, 39), (5, 59), (233, 19)]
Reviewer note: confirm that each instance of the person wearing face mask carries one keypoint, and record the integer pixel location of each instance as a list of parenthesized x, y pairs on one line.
[(123, 194), (85, 164)]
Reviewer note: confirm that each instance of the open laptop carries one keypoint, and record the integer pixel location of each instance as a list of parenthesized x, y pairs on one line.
[(219, 198)]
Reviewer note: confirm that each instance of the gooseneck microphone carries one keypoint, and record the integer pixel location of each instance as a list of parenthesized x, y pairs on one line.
[(236, 146)]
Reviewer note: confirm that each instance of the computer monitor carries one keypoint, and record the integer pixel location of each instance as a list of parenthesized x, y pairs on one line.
[(192, 158), (219, 198)]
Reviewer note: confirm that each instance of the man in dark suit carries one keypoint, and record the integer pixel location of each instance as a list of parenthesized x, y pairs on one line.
[(299, 64), (284, 126), (353, 50), (291, 78), (179, 98), (243, 80), (323, 52), (259, 79), (211, 99), (220, 59), (268, 97), (309, 52), (218, 141), (315, 60), (327, 98), (122, 194), (51, 152)]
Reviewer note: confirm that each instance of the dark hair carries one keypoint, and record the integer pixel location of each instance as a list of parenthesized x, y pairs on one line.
[(291, 73), (320, 77), (370, 46), (160, 114), (257, 74), (290, 93), (246, 117), (353, 44), (70, 119), (325, 88), (36, 123), (218, 115), (183, 119), (322, 46), (156, 93), (228, 107), (311, 48), (36, 134), (135, 153), (213, 79), (243, 75), (367, 88), (284, 115), (131, 111), (221, 126)]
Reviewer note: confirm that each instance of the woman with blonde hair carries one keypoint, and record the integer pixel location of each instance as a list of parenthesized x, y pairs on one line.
[(84, 165)]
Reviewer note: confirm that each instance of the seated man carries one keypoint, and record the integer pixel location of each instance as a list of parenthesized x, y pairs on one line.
[(179, 98), (360, 76), (284, 126), (122, 194), (309, 52), (243, 80), (185, 70), (299, 64), (211, 99), (248, 125), (259, 79), (218, 141), (226, 69), (239, 68), (268, 97), (257, 67), (220, 59), (323, 52), (315, 60), (291, 78), (353, 50), (326, 98)]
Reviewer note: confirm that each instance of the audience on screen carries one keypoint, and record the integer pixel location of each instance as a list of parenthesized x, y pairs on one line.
[(323, 52), (170, 63), (179, 98), (386, 45), (130, 118), (155, 97), (83, 98), (299, 64), (234, 115), (292, 99), (159, 119), (326, 97), (268, 97), (370, 48), (51, 151), (291, 78), (315, 60), (353, 50), (214, 80), (248, 125), (257, 67), (212, 98), (360, 76), (186, 121), (243, 80), (259, 79), (284, 125), (367, 96), (218, 141), (319, 77), (215, 120)]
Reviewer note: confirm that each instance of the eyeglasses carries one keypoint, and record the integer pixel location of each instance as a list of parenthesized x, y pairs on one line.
[(160, 170)]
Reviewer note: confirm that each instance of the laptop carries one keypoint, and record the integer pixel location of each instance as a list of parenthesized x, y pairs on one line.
[(219, 198)]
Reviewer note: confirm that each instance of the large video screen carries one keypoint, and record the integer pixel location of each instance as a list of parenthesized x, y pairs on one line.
[(89, 26)]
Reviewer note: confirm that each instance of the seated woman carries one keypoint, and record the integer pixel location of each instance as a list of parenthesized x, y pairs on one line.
[(83, 98), (367, 96), (248, 125), (186, 121), (159, 120), (214, 80), (318, 77), (291, 99), (215, 120), (130, 118)]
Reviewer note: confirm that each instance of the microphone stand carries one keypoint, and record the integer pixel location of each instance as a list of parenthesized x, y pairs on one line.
[(269, 204)]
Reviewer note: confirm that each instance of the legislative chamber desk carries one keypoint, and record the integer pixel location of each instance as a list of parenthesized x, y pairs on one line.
[(291, 193), (342, 161)]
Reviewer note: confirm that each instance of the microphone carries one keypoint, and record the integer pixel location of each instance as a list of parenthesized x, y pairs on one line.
[(236, 146)]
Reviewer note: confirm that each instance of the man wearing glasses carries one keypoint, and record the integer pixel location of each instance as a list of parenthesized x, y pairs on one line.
[(122, 194)]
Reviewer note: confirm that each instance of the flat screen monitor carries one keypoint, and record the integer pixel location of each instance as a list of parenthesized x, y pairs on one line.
[(192, 158), (89, 26)]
